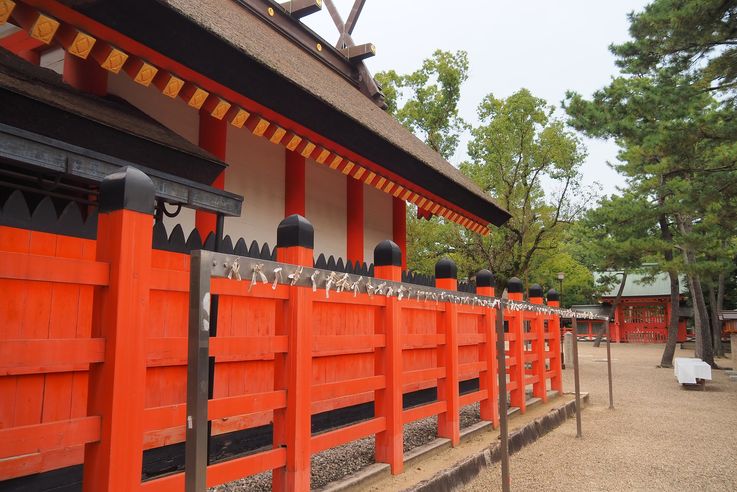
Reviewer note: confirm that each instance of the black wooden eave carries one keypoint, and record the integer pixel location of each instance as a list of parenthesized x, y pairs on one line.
[(41, 153), (168, 32)]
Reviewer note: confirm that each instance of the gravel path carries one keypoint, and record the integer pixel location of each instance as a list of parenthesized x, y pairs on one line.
[(660, 436), (339, 462)]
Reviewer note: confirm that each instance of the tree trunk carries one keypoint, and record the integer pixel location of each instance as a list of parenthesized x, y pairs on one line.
[(720, 307), (670, 344), (707, 354), (716, 338), (698, 341), (602, 329), (701, 315), (675, 293)]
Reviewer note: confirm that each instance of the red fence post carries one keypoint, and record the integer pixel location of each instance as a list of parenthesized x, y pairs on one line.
[(485, 283), (517, 346), (117, 385), (449, 425), (388, 401), (556, 381), (539, 389), (292, 425)]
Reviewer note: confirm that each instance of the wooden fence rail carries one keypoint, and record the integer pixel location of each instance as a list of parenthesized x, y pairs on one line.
[(94, 358)]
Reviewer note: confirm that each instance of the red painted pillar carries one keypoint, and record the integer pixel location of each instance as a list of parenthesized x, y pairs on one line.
[(86, 75), (212, 138), (117, 385), (554, 334), (617, 324), (354, 220), (293, 370), (388, 362), (539, 388), (294, 184), (516, 347), (449, 422), (488, 380), (399, 227)]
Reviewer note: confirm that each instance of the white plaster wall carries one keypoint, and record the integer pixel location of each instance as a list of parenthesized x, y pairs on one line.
[(53, 59), (326, 208), (377, 222), (172, 113), (256, 172)]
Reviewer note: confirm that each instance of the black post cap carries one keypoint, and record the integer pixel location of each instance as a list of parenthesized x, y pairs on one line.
[(514, 286), (553, 295), (387, 253), (446, 268), (484, 278), (535, 291), (127, 189), (295, 230)]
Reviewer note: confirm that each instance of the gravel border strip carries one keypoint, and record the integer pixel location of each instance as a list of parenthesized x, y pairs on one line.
[(337, 463)]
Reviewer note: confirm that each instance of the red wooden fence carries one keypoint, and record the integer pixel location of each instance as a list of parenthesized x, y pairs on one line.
[(282, 354)]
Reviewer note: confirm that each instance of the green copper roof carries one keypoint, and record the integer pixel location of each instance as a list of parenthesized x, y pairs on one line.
[(636, 287)]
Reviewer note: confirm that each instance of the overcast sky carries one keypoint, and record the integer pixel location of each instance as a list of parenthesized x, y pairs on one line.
[(547, 47)]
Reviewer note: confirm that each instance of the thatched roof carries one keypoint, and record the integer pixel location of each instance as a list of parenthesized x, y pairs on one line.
[(228, 43)]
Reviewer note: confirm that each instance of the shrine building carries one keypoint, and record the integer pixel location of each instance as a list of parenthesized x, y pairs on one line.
[(221, 101), (135, 132), (642, 314)]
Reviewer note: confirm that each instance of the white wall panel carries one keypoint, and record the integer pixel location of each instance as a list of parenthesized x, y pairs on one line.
[(326, 208), (377, 220)]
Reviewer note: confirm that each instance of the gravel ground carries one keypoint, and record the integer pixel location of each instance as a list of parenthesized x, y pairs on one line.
[(660, 436), (336, 463)]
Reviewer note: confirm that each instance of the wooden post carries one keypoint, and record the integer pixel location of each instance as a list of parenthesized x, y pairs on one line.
[(556, 382), (294, 184), (399, 227), (117, 385), (292, 425), (517, 347), (199, 372), (539, 388), (609, 364), (213, 135), (576, 381), (485, 283), (449, 424), (388, 401), (354, 220), (503, 407), (85, 75)]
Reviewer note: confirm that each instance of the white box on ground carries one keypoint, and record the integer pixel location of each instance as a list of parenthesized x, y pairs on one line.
[(688, 370)]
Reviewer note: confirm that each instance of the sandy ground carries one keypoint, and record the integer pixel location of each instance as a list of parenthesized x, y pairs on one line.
[(660, 436)]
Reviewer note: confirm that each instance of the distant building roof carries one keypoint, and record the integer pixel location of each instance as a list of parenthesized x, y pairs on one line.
[(595, 309), (635, 287), (727, 315)]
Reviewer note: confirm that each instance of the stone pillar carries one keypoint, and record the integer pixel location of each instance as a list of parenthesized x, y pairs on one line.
[(568, 349)]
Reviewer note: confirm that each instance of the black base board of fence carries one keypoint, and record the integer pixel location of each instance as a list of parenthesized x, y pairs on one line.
[(170, 459)]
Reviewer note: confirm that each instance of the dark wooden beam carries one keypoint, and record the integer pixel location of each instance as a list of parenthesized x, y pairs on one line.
[(291, 28), (367, 84), (360, 52), (302, 8), (353, 16), (39, 153)]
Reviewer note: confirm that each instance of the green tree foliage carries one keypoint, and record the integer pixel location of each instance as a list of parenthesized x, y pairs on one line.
[(426, 100), (529, 162), (520, 154), (697, 37), (578, 284), (677, 151)]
